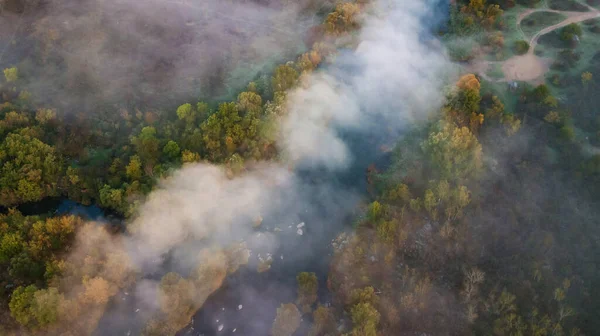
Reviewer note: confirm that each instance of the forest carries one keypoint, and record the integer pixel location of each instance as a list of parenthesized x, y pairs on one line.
[(340, 167)]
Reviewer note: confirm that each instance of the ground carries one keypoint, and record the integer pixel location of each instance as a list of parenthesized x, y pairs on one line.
[(529, 67)]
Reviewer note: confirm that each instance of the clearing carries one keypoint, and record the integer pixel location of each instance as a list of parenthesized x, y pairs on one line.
[(530, 67)]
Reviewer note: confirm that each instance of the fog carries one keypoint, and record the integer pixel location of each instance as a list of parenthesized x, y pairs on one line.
[(82, 55), (199, 222)]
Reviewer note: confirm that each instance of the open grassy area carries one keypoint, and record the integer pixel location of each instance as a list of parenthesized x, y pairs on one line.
[(538, 21), (593, 3), (495, 71), (552, 40), (592, 26), (567, 5), (511, 33), (586, 49)]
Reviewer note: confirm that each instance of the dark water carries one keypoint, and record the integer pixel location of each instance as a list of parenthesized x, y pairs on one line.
[(260, 294), (61, 206), (90, 212)]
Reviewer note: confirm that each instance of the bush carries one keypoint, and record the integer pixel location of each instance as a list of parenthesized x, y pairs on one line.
[(521, 47), (569, 32), (11, 74), (567, 133)]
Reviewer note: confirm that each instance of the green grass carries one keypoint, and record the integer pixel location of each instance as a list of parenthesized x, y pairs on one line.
[(500, 89), (495, 71), (592, 27), (567, 5), (552, 40), (587, 48), (593, 3), (537, 21)]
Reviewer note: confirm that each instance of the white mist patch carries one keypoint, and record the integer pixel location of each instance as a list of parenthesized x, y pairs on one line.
[(396, 80), (201, 202)]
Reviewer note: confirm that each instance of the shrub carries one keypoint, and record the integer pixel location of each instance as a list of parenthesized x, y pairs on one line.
[(11, 74), (521, 47), (569, 32), (567, 132)]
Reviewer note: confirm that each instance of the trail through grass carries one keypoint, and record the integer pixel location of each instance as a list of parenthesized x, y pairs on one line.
[(539, 20)]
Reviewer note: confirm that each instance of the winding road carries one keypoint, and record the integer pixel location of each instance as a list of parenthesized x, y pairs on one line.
[(529, 67)]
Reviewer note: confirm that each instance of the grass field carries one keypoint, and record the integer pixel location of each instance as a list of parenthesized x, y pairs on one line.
[(567, 5), (495, 71), (538, 21), (594, 3)]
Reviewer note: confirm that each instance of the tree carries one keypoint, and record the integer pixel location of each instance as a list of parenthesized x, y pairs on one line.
[(323, 322), (250, 103), (284, 78), (586, 77), (45, 307), (375, 211), (21, 303), (344, 19), (45, 116), (52, 235), (188, 156), (29, 169), (521, 47), (175, 295), (202, 110), (307, 290), (287, 320), (365, 319), (146, 145), (11, 244), (11, 74), (187, 113), (112, 198), (212, 136), (25, 268), (96, 291), (463, 104), (223, 131), (134, 168), (454, 152), (171, 150), (569, 32)]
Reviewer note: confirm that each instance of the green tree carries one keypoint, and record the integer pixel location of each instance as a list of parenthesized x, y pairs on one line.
[(21, 303), (171, 150), (146, 145), (284, 78), (134, 168), (323, 322), (569, 32), (112, 198), (186, 113), (11, 244), (308, 286), (11, 74), (45, 306), (344, 19), (29, 170), (375, 211), (365, 319), (521, 47), (454, 152), (51, 235), (25, 268), (188, 156), (202, 110)]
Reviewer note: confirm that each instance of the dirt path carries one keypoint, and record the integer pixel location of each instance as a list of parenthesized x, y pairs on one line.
[(572, 17), (530, 67)]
